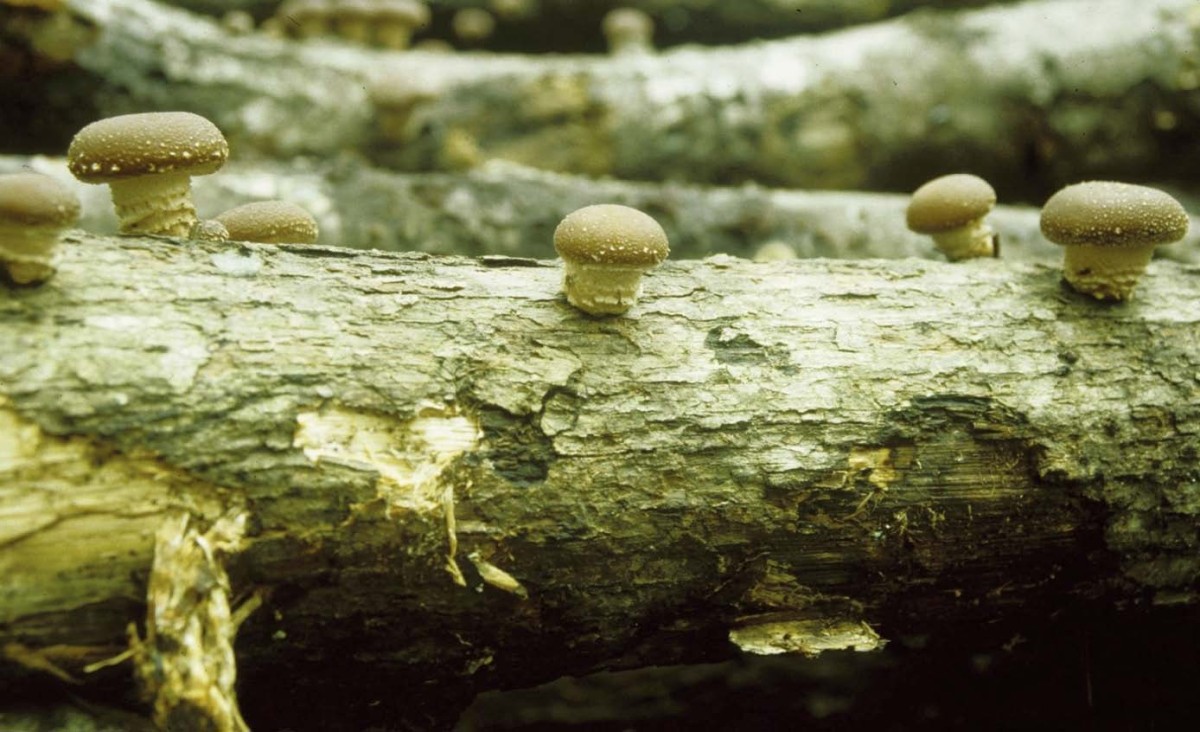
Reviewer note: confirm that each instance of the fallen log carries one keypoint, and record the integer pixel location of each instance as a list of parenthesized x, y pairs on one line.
[(1030, 95), (429, 476)]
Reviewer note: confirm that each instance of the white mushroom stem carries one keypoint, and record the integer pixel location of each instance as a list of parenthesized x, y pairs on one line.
[(1106, 272), (156, 204), (976, 239), (602, 289), (28, 252)]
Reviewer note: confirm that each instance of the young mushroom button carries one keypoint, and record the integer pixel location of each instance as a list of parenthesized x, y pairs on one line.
[(148, 161), (951, 209), (34, 210), (605, 250), (1110, 231), (270, 222)]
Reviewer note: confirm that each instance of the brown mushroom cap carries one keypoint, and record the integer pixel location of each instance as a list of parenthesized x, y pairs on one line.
[(949, 202), (1105, 213), (611, 234), (33, 199), (270, 222), (133, 145)]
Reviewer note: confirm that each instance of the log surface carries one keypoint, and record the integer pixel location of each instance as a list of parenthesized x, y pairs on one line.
[(451, 476)]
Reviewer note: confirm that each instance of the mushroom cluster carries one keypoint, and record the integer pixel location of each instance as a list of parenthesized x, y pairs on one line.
[(148, 161), (386, 23)]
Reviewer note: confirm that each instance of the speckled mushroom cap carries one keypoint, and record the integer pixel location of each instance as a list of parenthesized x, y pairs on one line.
[(133, 145), (611, 234), (949, 202), (33, 199), (270, 222), (1105, 213)]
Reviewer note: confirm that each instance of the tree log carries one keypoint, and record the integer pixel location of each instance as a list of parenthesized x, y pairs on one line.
[(1030, 95), (573, 25), (437, 477)]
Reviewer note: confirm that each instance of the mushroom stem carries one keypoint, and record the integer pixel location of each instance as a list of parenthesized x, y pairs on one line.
[(1105, 272), (354, 29), (394, 36), (27, 252), (976, 239), (311, 26), (602, 289), (159, 204)]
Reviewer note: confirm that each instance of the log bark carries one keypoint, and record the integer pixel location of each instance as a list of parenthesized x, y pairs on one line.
[(510, 210), (1030, 95), (441, 478)]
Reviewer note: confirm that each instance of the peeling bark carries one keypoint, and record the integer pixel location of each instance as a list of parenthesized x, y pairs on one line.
[(454, 481)]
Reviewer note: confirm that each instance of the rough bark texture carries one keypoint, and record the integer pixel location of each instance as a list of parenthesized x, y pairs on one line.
[(450, 480), (503, 209), (1030, 95)]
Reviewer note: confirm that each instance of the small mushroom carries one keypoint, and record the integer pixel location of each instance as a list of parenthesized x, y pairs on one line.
[(398, 19), (473, 25), (209, 230), (34, 210), (952, 209), (148, 161), (352, 18), (512, 9), (605, 250), (395, 95), (628, 31), (270, 222), (1110, 231)]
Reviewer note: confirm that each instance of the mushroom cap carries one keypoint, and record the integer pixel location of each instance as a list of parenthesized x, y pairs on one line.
[(270, 222), (473, 24), (1105, 213), (304, 9), (33, 199), (133, 145), (949, 202), (410, 12), (608, 233), (395, 88), (627, 22)]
